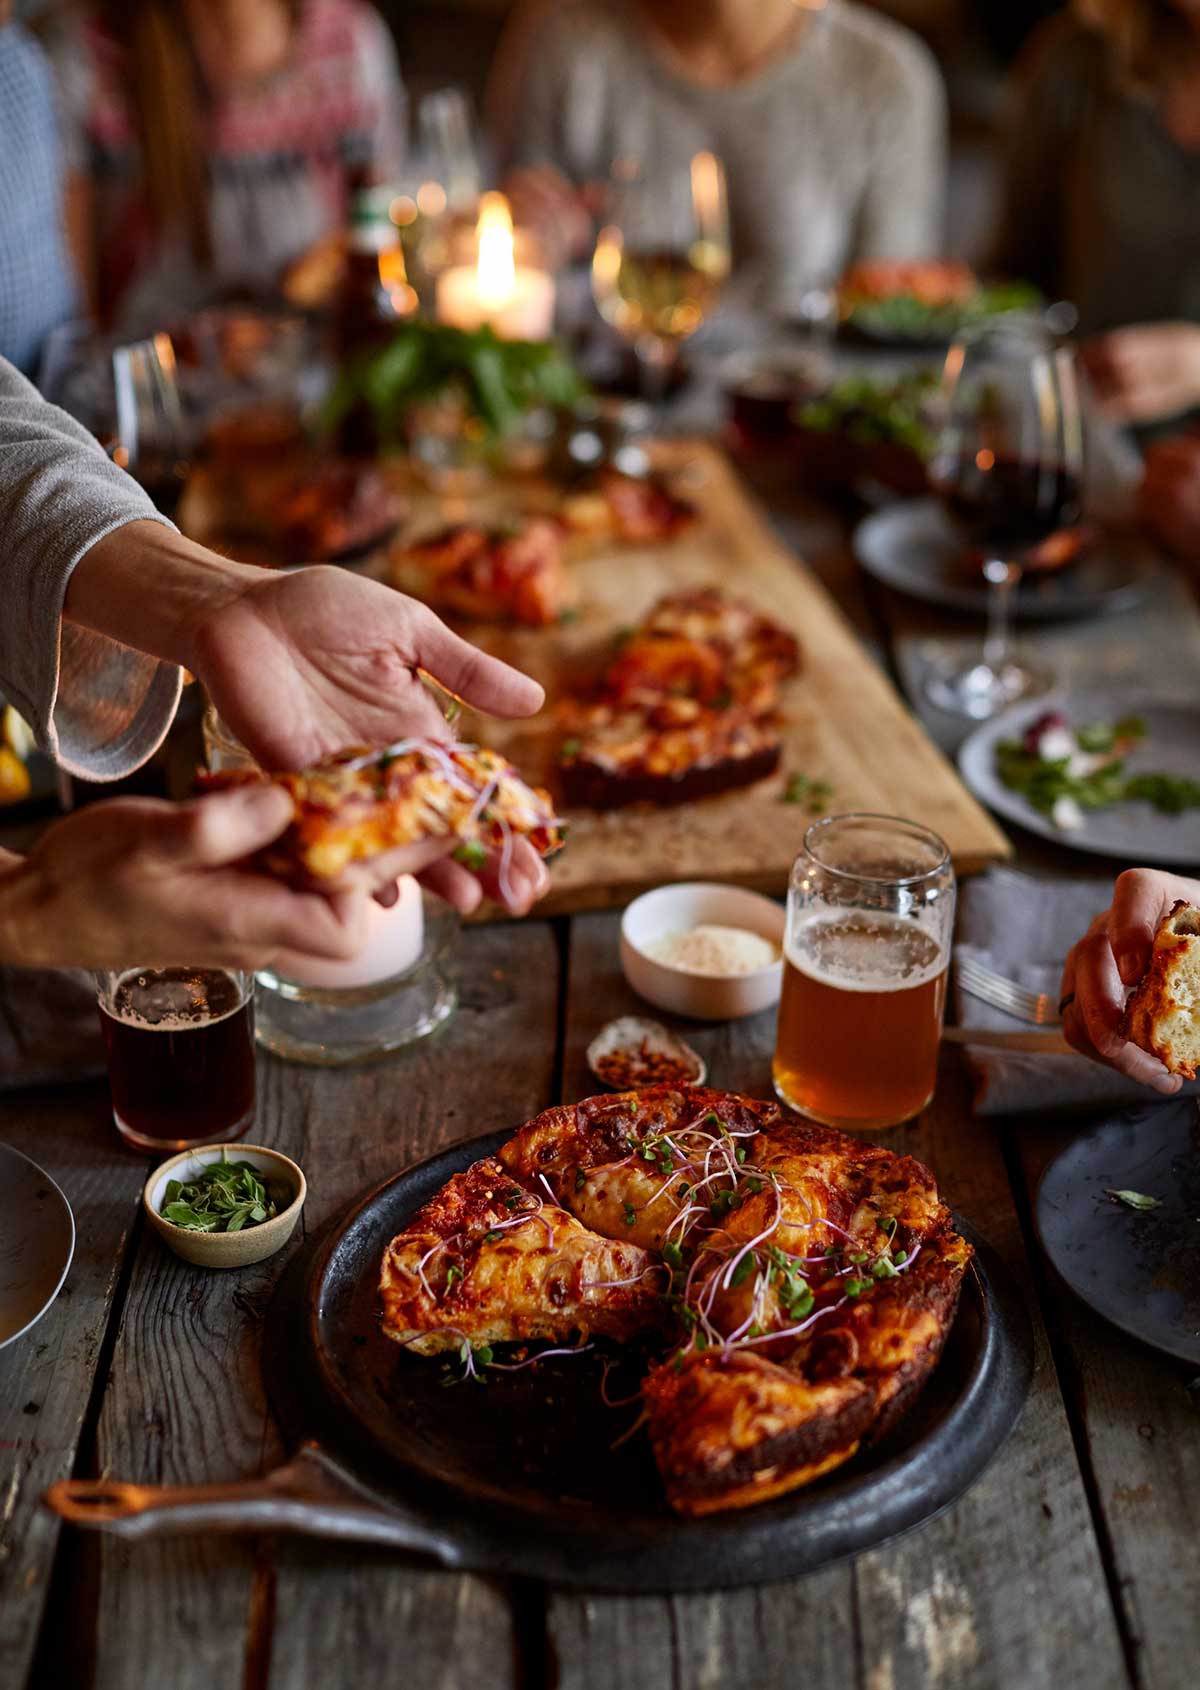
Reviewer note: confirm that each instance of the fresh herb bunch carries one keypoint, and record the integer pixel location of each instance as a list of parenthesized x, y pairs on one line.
[(224, 1197), (499, 379), (1044, 780), (874, 412)]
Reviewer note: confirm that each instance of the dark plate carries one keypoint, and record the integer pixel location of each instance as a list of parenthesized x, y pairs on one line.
[(1138, 1269), (915, 548), (521, 1477)]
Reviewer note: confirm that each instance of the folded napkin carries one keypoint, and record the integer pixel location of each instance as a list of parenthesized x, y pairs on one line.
[(49, 1031), (1023, 928)]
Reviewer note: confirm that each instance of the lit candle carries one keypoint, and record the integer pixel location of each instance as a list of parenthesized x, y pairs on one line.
[(515, 299), (395, 938)]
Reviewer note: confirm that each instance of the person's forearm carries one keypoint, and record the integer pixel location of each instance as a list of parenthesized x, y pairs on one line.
[(150, 588), (18, 925)]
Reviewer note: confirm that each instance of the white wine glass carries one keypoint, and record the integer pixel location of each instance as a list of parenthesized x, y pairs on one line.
[(661, 259)]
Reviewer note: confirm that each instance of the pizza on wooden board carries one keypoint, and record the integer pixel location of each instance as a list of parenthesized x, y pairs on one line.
[(796, 1283), (688, 706), (511, 574)]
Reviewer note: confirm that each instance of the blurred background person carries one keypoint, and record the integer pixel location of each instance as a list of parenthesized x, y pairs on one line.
[(1169, 496), (37, 284), (829, 120), (1101, 201), (211, 142)]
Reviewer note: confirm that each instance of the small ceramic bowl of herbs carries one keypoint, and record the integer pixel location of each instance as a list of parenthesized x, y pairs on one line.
[(225, 1205)]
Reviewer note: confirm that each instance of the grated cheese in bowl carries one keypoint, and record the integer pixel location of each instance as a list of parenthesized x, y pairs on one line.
[(712, 949)]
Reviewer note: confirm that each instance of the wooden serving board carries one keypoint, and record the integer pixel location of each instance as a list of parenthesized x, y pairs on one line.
[(845, 723)]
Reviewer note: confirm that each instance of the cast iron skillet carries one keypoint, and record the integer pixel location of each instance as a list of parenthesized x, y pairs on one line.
[(521, 1476)]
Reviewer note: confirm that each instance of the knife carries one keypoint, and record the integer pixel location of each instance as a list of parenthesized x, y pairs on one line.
[(1045, 1042)]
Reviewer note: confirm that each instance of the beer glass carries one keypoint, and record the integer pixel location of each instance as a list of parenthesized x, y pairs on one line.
[(870, 921), (180, 1045)]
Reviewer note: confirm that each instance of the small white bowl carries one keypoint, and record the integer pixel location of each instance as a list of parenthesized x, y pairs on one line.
[(707, 997), (227, 1249)]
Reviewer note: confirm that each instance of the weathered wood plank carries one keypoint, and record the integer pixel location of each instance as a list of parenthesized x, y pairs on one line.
[(495, 1066), (1141, 1438), (185, 1403), (46, 1376), (1006, 1588)]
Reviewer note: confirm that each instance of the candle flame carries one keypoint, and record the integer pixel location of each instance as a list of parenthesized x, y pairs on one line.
[(496, 267)]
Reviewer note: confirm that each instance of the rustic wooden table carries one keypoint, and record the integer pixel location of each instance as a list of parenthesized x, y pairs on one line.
[(1072, 1563)]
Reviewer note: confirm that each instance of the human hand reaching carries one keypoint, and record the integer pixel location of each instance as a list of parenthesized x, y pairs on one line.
[(1110, 958), (1146, 371), (138, 879)]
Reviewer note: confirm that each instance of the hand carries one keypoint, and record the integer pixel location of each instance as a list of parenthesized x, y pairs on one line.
[(139, 880), (305, 664), (543, 200), (1111, 957), (302, 665), (1145, 372), (1169, 496)]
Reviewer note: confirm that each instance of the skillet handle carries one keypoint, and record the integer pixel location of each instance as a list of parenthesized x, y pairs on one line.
[(311, 1495)]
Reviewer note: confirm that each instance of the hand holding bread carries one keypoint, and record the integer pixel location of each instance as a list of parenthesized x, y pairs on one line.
[(1147, 940)]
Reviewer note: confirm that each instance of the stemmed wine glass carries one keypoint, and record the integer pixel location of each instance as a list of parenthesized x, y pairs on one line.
[(1008, 466), (661, 258)]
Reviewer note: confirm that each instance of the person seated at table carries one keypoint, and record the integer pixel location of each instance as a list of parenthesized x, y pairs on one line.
[(212, 142), (1110, 958), (829, 120), (1169, 496), (1102, 189), (37, 284), (104, 605)]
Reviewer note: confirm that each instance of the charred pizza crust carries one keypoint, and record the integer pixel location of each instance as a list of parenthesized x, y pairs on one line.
[(361, 803)]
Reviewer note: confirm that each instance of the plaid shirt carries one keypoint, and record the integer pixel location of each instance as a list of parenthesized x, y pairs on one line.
[(37, 288)]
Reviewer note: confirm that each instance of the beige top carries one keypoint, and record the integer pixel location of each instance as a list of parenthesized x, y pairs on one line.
[(834, 151)]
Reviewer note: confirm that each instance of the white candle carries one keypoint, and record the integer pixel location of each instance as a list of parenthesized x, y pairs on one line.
[(395, 938), (516, 300)]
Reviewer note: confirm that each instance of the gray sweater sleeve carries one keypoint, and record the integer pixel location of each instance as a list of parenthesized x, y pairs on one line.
[(96, 706)]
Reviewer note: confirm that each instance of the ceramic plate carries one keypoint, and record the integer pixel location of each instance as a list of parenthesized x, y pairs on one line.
[(37, 1241), (914, 548), (1140, 1269), (1135, 833)]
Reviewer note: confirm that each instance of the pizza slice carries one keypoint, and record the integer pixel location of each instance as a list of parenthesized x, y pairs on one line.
[(633, 510), (511, 574), (729, 1431), (487, 1262), (688, 707), (361, 803)]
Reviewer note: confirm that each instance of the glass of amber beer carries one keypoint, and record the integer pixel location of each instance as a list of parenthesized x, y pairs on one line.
[(870, 919)]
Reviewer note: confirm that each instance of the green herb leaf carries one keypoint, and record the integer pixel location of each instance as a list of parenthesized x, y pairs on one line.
[(471, 854), (744, 1269), (1135, 1199), (856, 1287), (580, 1179), (630, 1214)]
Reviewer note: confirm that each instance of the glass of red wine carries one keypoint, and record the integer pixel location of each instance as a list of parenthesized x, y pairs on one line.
[(1008, 467)]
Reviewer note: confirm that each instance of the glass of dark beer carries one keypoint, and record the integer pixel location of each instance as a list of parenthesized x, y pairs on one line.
[(180, 1045)]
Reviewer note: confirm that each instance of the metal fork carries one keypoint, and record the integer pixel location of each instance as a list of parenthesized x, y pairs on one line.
[(982, 982)]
